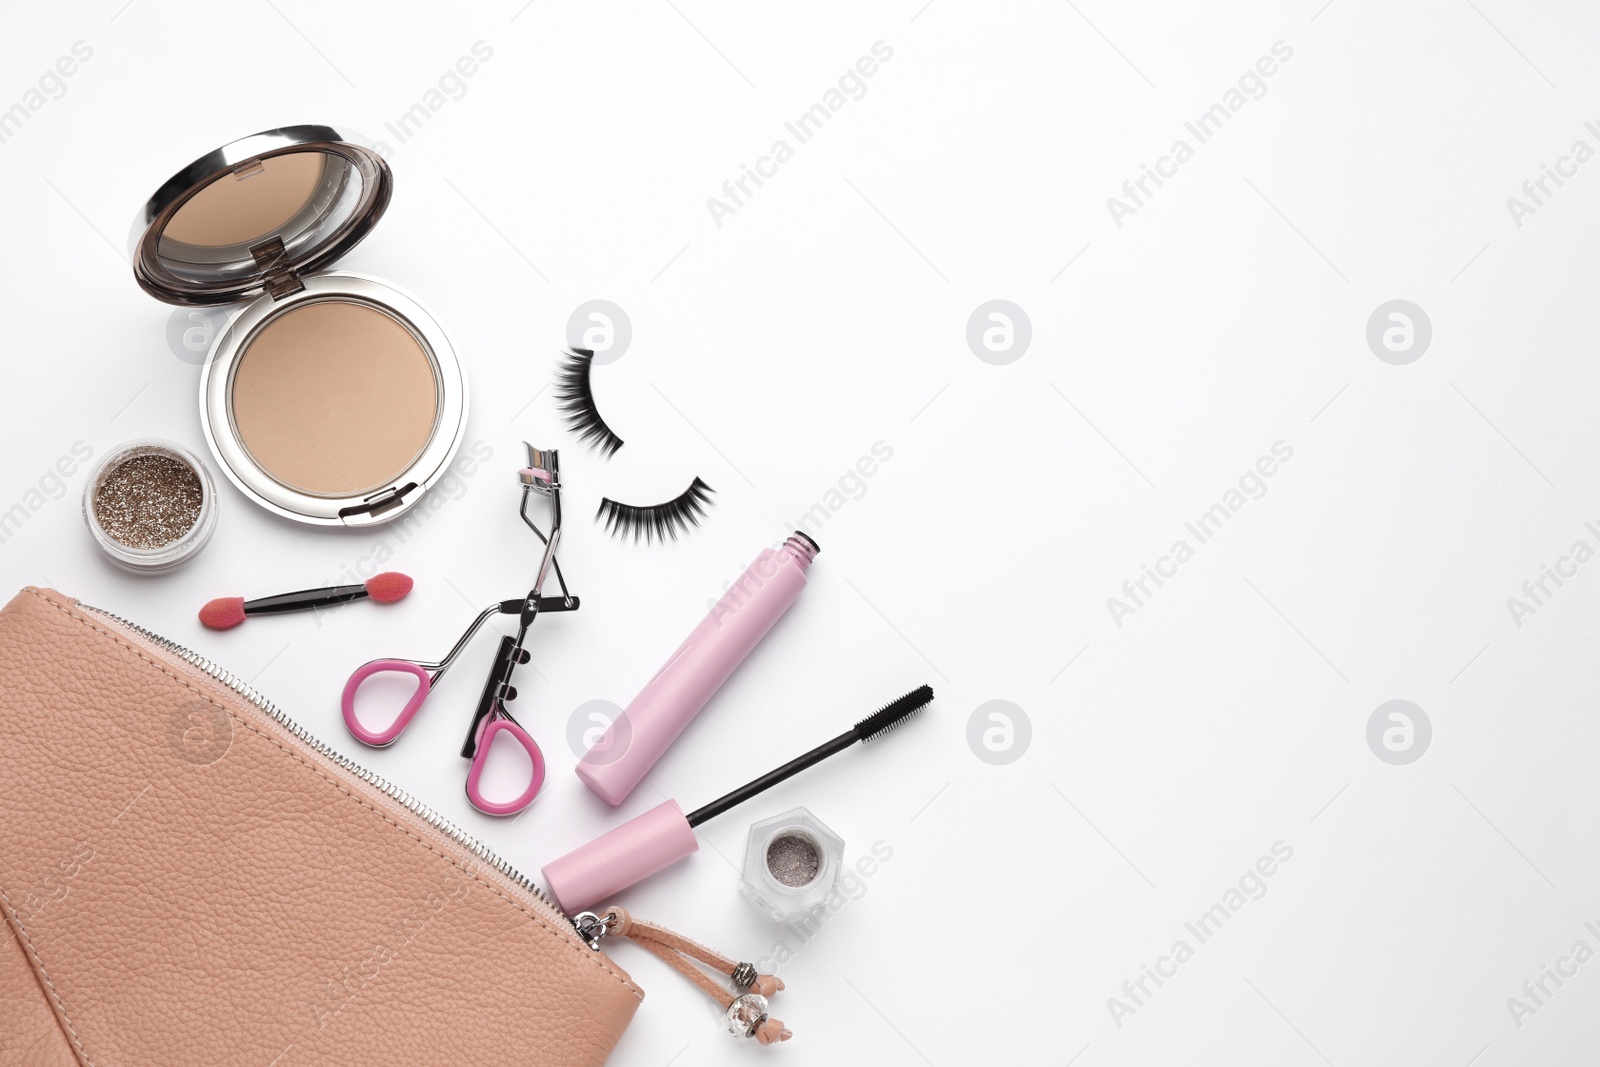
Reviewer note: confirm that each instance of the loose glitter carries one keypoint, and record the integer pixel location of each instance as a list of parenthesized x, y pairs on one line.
[(793, 860), (148, 501), (150, 505), (792, 864)]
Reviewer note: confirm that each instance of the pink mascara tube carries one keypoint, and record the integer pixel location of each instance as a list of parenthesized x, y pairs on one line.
[(641, 734)]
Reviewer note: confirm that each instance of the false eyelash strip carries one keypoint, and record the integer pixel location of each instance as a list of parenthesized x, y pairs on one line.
[(657, 521), (575, 399)]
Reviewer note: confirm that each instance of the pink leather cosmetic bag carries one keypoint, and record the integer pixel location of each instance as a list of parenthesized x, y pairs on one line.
[(189, 878)]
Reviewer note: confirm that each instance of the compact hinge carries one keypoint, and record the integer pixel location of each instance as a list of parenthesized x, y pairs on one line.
[(272, 257)]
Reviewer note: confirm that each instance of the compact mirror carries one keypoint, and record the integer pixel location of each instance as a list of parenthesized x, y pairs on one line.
[(241, 207), (226, 225)]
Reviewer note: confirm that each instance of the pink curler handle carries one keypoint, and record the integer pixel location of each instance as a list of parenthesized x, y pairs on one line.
[(481, 757), (386, 736)]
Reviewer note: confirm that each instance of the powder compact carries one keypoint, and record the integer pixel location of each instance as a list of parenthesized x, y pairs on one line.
[(331, 397), (150, 504)]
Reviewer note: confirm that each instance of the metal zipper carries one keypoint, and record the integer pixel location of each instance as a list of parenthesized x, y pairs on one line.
[(388, 789)]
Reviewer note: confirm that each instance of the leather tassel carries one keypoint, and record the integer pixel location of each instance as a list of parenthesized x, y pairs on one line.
[(746, 1009)]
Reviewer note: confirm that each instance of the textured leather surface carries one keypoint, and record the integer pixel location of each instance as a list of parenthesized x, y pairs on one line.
[(185, 882), (29, 1033)]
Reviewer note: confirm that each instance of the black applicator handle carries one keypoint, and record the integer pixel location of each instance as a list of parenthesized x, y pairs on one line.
[(305, 598), (874, 725)]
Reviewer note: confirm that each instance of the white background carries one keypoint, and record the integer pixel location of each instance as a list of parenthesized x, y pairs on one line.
[(829, 313)]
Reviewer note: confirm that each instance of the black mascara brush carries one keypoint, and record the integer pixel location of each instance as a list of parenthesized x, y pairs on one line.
[(873, 726), (663, 835)]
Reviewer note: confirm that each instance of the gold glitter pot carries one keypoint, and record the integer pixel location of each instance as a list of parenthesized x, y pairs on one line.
[(792, 864), (329, 397), (150, 504)]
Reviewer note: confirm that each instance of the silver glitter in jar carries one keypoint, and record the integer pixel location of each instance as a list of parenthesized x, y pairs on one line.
[(792, 864), (793, 860), (148, 501), (150, 505)]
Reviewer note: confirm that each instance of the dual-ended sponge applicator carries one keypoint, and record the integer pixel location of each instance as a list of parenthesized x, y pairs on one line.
[(224, 613), (664, 835)]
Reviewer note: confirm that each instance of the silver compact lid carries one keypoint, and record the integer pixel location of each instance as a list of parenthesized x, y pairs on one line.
[(254, 215)]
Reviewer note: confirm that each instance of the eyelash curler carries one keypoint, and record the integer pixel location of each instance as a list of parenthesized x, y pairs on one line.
[(542, 475)]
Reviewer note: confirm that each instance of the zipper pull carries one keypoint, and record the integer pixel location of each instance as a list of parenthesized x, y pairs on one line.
[(746, 1010)]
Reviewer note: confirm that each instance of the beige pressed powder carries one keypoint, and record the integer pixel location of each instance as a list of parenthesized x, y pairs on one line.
[(334, 398), (240, 208)]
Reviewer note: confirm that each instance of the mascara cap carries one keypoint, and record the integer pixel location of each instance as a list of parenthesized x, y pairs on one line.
[(593, 873)]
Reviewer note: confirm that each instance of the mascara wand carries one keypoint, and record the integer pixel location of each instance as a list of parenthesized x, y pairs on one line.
[(873, 726), (663, 835)]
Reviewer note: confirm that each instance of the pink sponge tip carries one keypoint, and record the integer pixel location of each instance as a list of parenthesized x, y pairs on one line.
[(388, 587), (223, 613)]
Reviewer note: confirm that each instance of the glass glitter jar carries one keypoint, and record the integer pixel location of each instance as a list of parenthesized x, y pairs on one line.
[(791, 864), (150, 505)]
